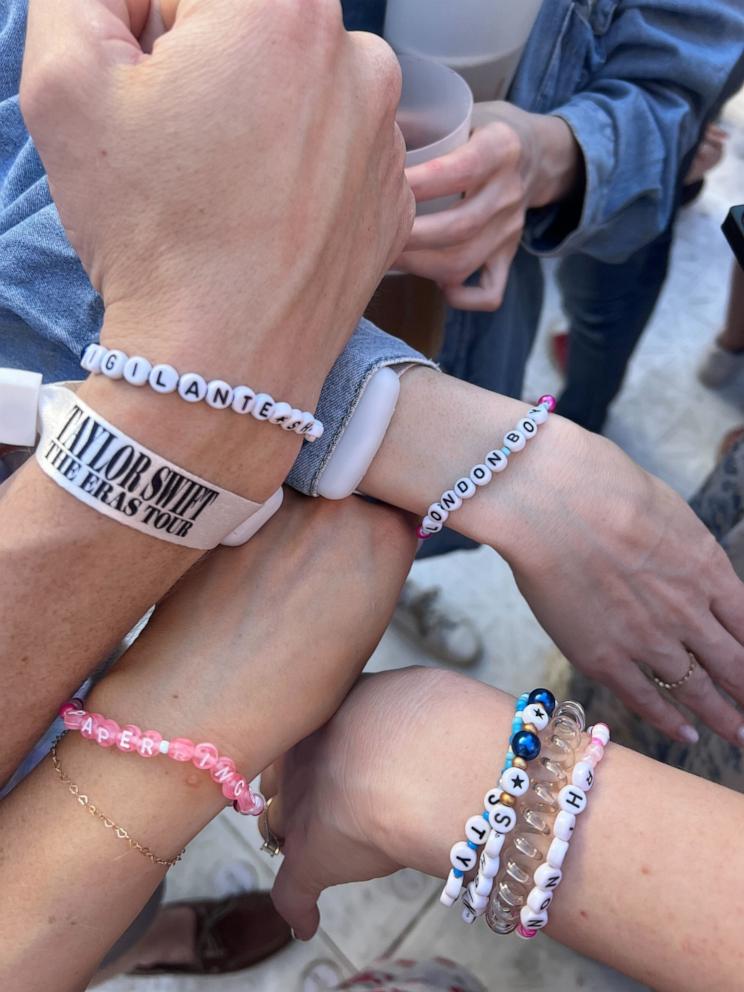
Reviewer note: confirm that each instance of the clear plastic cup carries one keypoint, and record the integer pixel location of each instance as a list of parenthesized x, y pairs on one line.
[(483, 40), (435, 113)]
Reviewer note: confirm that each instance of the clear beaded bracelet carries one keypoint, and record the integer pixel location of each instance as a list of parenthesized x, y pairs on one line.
[(482, 473), (150, 743), (194, 388)]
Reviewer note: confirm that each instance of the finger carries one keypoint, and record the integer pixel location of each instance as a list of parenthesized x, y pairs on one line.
[(457, 172), (641, 696), (270, 778), (296, 900), (68, 27), (458, 224), (489, 294), (728, 602), (699, 694)]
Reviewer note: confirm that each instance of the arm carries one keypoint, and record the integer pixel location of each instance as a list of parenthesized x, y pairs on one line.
[(255, 649), (615, 565), (653, 862), (187, 286)]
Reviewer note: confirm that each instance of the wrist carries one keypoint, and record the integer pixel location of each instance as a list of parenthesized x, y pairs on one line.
[(555, 161)]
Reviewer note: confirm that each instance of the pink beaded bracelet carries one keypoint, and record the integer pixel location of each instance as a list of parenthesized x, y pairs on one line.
[(130, 739)]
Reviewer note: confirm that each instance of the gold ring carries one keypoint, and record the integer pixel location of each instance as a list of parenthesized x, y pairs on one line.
[(272, 844), (680, 682)]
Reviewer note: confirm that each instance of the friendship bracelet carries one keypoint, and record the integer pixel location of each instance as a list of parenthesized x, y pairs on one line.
[(130, 739), (118, 830), (572, 800), (489, 827), (481, 474), (194, 388)]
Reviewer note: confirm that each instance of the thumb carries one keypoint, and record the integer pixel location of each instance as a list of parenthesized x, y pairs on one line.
[(296, 900)]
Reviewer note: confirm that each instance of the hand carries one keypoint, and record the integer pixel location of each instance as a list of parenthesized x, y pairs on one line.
[(513, 161), (709, 153), (243, 181), (620, 572)]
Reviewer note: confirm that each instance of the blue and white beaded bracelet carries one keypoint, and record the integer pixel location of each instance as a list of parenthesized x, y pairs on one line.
[(489, 828), (194, 388), (482, 473)]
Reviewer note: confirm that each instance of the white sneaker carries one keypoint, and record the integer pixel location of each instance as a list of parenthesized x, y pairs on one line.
[(442, 631), (720, 366)]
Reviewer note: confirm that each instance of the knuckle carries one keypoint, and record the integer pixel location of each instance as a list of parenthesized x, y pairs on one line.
[(462, 227)]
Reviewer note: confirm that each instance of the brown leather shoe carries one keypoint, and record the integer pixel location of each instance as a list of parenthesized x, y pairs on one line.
[(231, 934)]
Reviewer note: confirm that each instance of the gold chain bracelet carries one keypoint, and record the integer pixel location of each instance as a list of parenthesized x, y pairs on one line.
[(91, 808)]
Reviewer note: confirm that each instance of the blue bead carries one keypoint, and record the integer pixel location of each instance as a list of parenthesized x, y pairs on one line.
[(522, 701), (485, 815), (545, 697), (506, 451), (526, 745), (472, 846), (457, 873)]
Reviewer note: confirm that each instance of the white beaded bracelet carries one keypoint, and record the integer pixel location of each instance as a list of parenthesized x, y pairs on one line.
[(572, 800), (194, 388), (482, 473)]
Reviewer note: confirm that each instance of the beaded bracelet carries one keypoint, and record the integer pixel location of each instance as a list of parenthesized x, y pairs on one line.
[(537, 809), (489, 827), (194, 388), (130, 739), (572, 800), (482, 473)]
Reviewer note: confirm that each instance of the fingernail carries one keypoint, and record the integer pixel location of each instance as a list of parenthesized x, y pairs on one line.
[(689, 734), (296, 936)]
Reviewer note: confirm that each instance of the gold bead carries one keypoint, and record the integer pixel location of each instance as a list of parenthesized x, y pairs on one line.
[(506, 799), (519, 763), (530, 727)]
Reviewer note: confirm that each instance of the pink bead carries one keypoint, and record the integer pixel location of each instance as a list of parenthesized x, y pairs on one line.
[(149, 744), (73, 718), (89, 724), (421, 534), (65, 707), (223, 769), (250, 803), (234, 787), (106, 732), (549, 401), (205, 756), (594, 753), (526, 934), (181, 749), (128, 738)]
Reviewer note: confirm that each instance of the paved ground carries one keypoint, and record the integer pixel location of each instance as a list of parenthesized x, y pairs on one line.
[(671, 425)]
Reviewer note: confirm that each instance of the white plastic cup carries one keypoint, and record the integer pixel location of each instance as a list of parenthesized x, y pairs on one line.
[(435, 114), (483, 40)]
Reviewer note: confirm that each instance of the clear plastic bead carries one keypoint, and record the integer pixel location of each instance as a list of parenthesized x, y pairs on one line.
[(546, 794), (510, 895), (515, 873), (527, 849), (550, 771), (498, 924), (568, 731), (559, 750), (574, 711), (536, 823)]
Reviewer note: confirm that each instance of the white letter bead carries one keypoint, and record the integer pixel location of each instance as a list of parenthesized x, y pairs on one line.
[(547, 877), (602, 731), (483, 885), (557, 852), (564, 825), (537, 715), (489, 867), (308, 419), (515, 440), (453, 886), (437, 512), (528, 427), (219, 394), (477, 829), (531, 920), (538, 414), (113, 364), (316, 432), (478, 903), (281, 414), (294, 421), (92, 357), (572, 799), (492, 798), (137, 370), (539, 899), (463, 857), (446, 900), (494, 844), (502, 818), (430, 525), (243, 397), (583, 775), (263, 404), (468, 916), (496, 460), (481, 475), (163, 379), (192, 387), (465, 487), (450, 501), (515, 782)]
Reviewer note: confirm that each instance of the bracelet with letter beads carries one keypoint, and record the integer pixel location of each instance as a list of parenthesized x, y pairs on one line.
[(194, 388), (482, 473), (527, 846), (531, 715)]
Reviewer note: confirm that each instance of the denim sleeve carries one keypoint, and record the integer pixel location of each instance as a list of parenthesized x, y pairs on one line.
[(660, 67)]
